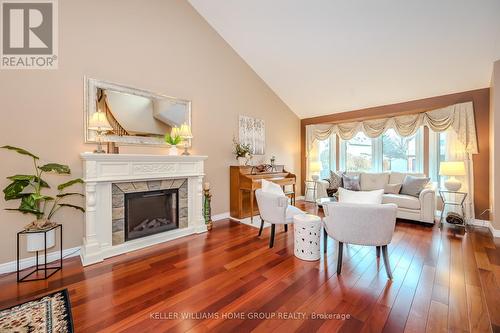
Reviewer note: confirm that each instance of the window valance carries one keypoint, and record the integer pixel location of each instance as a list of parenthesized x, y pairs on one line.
[(459, 117)]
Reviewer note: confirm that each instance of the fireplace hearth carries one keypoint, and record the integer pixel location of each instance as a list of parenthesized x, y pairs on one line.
[(151, 212)]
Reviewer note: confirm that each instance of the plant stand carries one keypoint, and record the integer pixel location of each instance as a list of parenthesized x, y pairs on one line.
[(40, 267)]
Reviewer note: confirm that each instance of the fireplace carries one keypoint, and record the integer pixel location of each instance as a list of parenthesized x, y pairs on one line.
[(151, 212)]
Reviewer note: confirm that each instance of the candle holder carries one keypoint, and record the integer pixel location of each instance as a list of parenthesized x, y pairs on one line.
[(207, 209)]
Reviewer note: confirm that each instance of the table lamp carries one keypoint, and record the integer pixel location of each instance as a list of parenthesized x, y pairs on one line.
[(452, 169), (315, 168), (99, 123), (185, 134)]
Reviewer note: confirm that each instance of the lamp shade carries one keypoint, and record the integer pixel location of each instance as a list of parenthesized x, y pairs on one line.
[(99, 122), (452, 168), (185, 132), (315, 167), (175, 132)]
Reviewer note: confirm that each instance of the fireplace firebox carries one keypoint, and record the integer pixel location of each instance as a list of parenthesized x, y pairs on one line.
[(151, 212)]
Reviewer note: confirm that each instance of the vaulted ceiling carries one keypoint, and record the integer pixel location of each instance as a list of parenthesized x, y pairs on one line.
[(328, 56)]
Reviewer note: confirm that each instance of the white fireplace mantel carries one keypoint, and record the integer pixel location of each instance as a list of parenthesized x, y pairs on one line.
[(100, 171)]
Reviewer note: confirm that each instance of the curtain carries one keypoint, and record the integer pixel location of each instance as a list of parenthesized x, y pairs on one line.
[(458, 117), (455, 151)]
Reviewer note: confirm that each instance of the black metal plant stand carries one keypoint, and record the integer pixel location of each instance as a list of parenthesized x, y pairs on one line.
[(40, 267)]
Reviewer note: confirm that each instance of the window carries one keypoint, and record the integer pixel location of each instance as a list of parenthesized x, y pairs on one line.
[(325, 154), (437, 154), (322, 158), (399, 153), (389, 152), (359, 153)]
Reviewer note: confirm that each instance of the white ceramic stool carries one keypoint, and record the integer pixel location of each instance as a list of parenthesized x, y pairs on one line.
[(307, 231)]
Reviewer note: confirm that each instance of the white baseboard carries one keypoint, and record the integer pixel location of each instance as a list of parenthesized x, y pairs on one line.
[(9, 267), (248, 221), (226, 215), (218, 217), (486, 224)]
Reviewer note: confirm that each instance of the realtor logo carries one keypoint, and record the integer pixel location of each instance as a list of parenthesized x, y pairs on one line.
[(29, 34)]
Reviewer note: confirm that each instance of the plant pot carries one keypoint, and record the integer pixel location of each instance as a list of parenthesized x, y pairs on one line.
[(242, 161), (35, 241), (173, 151)]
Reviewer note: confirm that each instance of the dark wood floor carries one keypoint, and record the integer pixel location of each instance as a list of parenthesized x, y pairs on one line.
[(443, 281)]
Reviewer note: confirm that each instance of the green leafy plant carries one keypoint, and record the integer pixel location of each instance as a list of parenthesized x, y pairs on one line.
[(241, 150), (173, 138), (28, 189)]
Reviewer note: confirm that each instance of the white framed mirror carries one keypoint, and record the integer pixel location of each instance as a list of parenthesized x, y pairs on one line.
[(135, 116)]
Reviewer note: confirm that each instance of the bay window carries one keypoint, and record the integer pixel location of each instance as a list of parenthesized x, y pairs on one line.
[(322, 158), (400, 154), (358, 153), (389, 152), (437, 154)]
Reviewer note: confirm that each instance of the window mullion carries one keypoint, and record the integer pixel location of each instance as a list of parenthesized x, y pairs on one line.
[(377, 154)]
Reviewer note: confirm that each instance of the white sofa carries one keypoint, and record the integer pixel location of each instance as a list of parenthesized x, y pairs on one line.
[(409, 207)]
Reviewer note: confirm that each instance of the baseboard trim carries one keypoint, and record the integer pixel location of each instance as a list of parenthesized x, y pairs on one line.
[(227, 215), (218, 217), (486, 224), (248, 221), (9, 267)]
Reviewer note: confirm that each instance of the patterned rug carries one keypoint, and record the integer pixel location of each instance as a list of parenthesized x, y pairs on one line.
[(51, 314)]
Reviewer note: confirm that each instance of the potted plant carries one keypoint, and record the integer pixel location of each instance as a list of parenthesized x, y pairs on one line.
[(173, 139), (242, 152), (28, 189)]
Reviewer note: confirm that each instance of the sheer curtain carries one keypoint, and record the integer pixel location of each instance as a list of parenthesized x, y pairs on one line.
[(455, 151)]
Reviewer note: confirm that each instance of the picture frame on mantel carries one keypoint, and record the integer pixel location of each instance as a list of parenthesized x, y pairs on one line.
[(252, 131)]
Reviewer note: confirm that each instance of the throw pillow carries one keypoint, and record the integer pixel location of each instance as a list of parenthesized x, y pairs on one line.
[(392, 188), (351, 183), (414, 185), (270, 187), (335, 179), (360, 197)]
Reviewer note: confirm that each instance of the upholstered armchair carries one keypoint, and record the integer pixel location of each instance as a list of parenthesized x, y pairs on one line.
[(274, 209), (361, 224)]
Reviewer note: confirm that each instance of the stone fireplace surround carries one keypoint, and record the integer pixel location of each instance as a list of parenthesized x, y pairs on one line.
[(119, 190), (103, 173)]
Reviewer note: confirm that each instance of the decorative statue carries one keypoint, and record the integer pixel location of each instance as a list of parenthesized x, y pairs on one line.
[(207, 209)]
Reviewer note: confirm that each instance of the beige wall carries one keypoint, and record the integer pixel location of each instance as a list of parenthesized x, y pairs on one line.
[(495, 145), (163, 46)]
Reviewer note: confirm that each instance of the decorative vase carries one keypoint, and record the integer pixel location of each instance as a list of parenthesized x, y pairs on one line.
[(35, 241), (242, 161), (173, 151)]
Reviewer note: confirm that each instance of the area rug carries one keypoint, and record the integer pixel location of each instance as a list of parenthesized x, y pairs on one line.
[(48, 314)]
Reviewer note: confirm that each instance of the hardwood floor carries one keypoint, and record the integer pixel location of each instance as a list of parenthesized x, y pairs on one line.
[(228, 280)]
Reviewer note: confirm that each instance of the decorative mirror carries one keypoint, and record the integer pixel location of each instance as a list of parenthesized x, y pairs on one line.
[(133, 116)]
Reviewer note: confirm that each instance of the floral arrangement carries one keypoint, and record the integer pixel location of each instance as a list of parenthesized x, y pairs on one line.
[(241, 150)]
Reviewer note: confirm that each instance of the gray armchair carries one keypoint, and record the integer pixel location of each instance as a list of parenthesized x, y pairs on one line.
[(361, 224)]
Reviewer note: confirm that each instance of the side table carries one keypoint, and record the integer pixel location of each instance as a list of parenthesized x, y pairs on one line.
[(310, 190), (307, 232), (447, 202)]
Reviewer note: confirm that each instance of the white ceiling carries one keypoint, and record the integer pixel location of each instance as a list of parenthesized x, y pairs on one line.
[(329, 56)]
